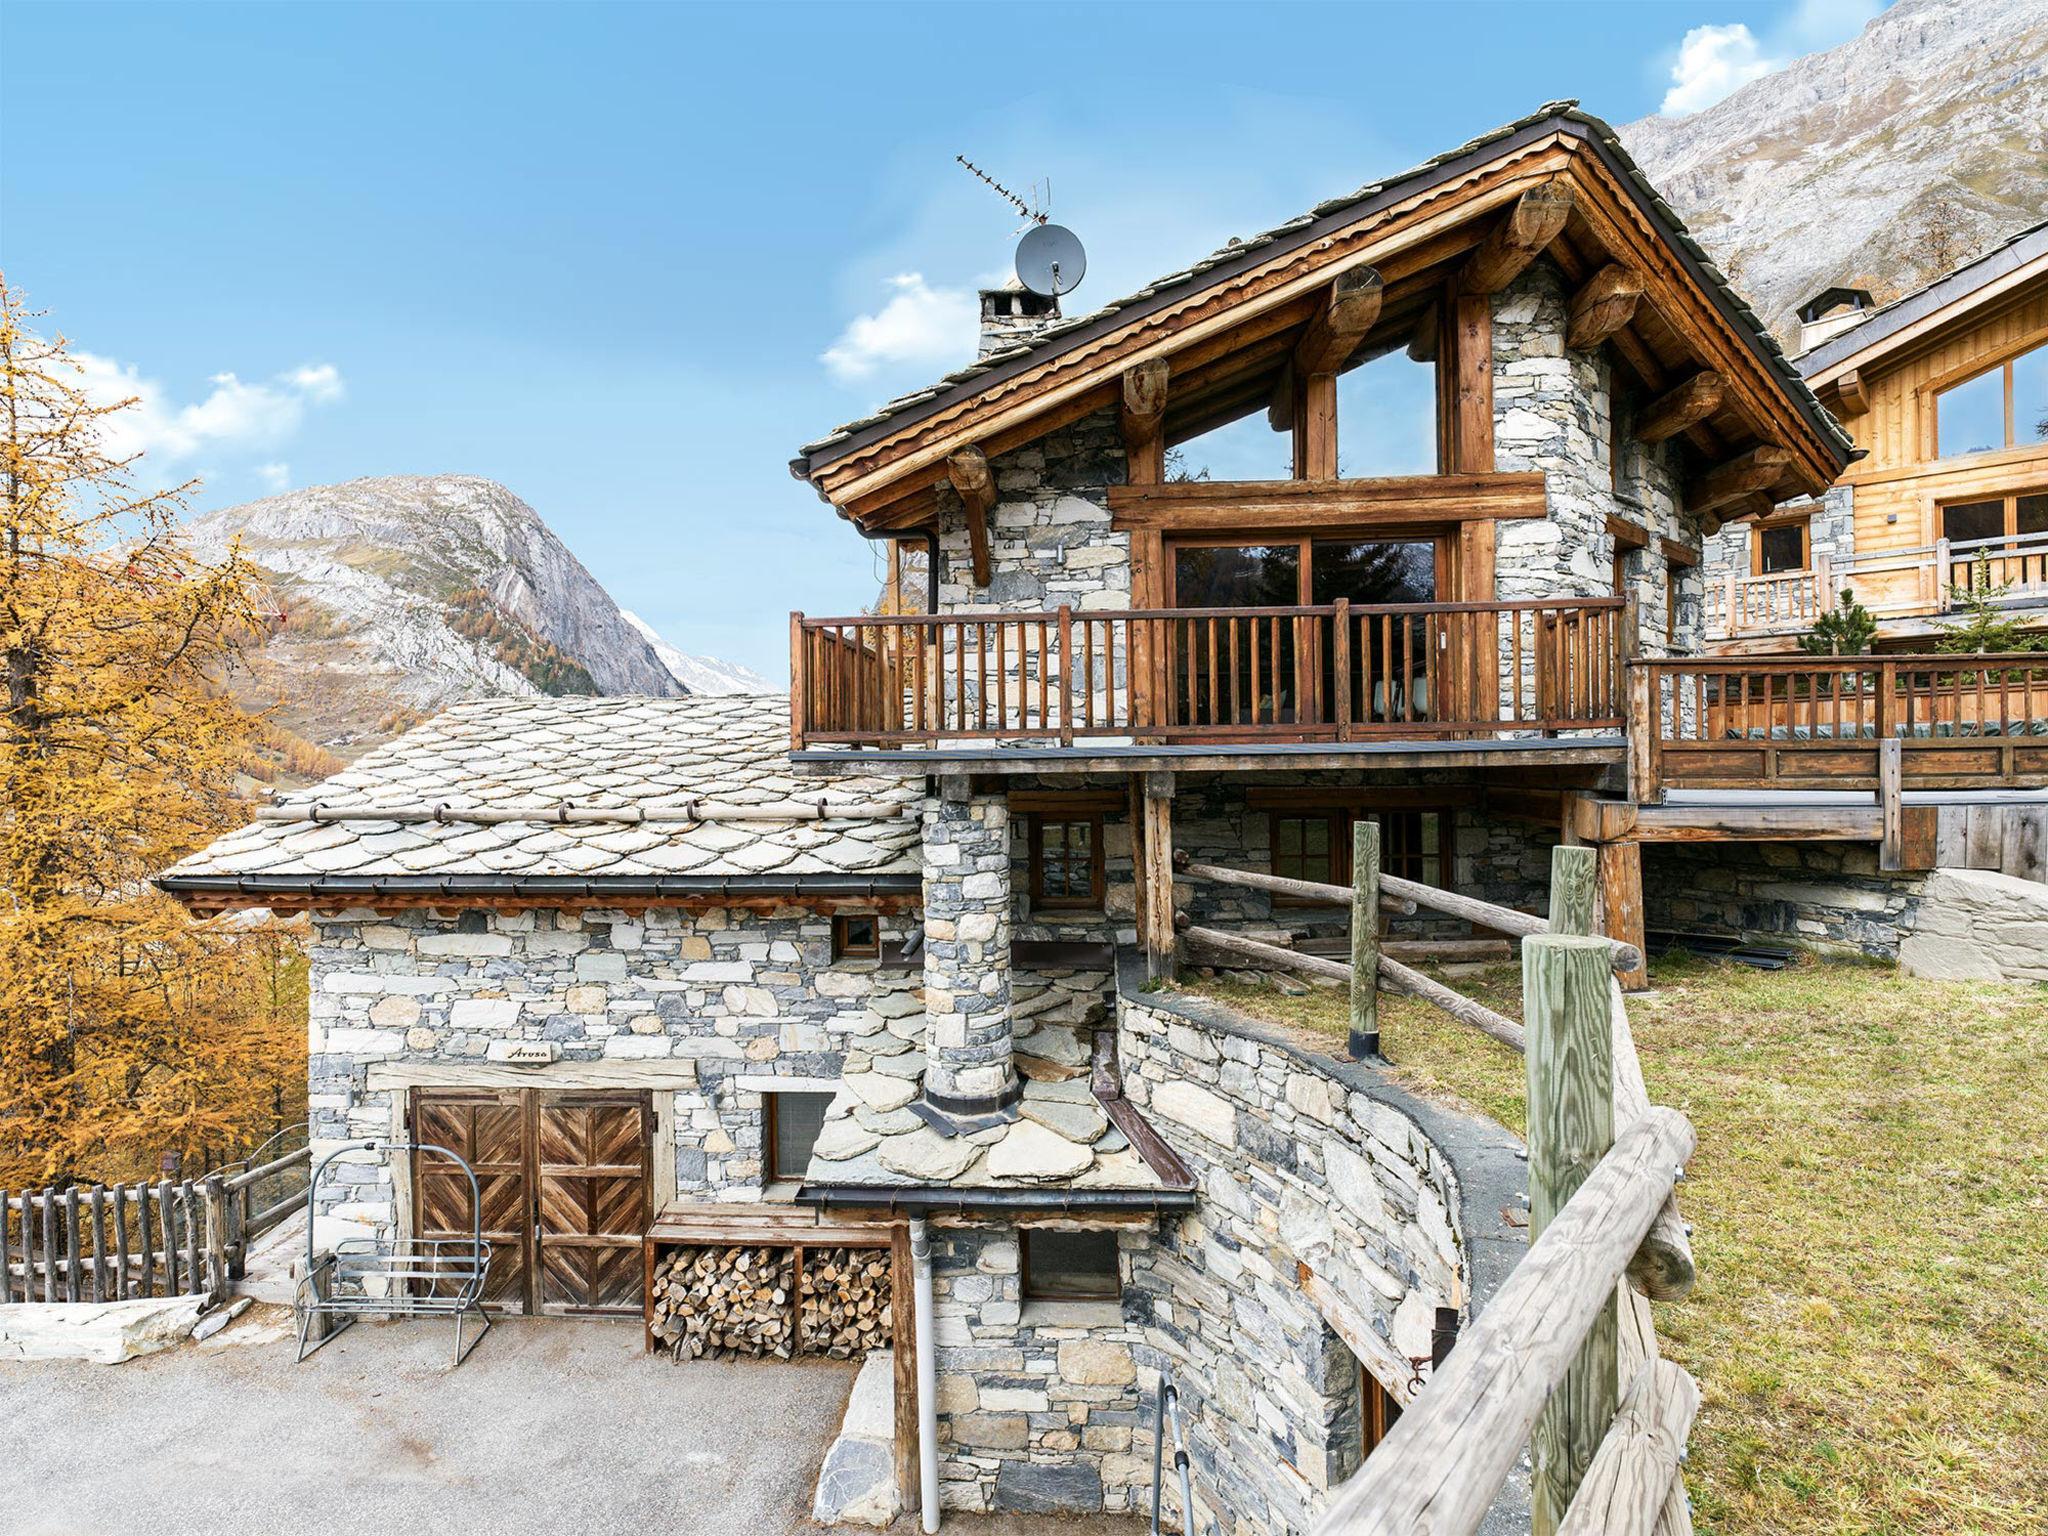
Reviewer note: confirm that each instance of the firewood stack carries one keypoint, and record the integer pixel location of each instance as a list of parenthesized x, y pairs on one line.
[(715, 1302), (721, 1302), (843, 1309)]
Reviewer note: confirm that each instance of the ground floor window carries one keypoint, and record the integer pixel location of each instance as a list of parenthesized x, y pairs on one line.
[(1066, 860), (857, 936), (1069, 1266), (791, 1122), (1316, 844)]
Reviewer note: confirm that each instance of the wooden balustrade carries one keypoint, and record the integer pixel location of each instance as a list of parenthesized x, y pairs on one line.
[(1887, 582), (1815, 722), (1338, 671)]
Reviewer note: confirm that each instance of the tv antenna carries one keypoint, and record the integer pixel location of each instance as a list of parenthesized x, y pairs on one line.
[(1050, 260)]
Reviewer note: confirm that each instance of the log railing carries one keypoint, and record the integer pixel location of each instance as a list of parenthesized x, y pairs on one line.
[(1338, 671), (1891, 582), (1816, 722)]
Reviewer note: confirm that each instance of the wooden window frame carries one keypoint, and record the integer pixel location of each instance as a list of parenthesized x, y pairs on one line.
[(771, 1165), (1027, 1290), (1678, 559), (1341, 818), (1803, 521), (1035, 860), (1969, 374), (1442, 538), (2009, 504), (1378, 1413), (844, 948)]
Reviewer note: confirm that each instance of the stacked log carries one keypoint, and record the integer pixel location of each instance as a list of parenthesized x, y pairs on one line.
[(843, 1306), (719, 1302)]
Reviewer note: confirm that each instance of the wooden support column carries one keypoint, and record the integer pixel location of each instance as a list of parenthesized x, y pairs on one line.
[(1891, 853), (1365, 939), (1143, 414), (1621, 905), (903, 1320), (968, 470), (1158, 934), (1570, 1043), (1305, 398)]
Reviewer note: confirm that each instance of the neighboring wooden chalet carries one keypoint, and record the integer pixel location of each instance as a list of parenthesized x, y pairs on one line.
[(879, 965), (1946, 393)]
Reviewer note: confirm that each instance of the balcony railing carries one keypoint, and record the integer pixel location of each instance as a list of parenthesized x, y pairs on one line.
[(1896, 583), (1332, 672)]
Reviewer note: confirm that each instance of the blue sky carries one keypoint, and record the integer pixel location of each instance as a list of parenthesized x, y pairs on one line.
[(625, 258)]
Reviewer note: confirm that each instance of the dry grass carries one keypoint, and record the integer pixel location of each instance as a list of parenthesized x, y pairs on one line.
[(1870, 1210)]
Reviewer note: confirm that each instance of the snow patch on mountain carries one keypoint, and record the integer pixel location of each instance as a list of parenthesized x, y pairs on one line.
[(701, 674)]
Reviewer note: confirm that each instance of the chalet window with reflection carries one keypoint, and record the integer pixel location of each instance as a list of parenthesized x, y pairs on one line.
[(857, 936), (1069, 1266), (1779, 547), (2006, 406), (1066, 861), (792, 1121), (1995, 517)]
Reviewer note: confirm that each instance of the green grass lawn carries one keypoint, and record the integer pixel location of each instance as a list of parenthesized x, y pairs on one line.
[(1870, 1220)]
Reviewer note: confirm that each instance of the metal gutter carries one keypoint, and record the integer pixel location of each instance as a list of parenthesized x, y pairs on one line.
[(636, 887)]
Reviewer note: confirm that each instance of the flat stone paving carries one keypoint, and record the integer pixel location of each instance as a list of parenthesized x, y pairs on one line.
[(549, 1427)]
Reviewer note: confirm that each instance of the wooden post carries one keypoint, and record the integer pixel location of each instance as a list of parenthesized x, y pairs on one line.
[(1365, 938), (145, 1240), (167, 1219), (1645, 720), (797, 682), (1066, 675), (902, 1310), (1574, 886), (1891, 755), (214, 1195), (195, 1277), (1160, 938), (74, 1271), (1340, 668), (120, 1242), (98, 1218), (1566, 1006), (1621, 906)]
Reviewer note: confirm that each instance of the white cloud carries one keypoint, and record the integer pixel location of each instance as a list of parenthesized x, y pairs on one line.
[(231, 414), (1714, 61), (919, 324), (275, 477)]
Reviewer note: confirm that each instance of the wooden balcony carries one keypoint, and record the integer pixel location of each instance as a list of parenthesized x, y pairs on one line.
[(1422, 672), (1808, 722), (1897, 584)]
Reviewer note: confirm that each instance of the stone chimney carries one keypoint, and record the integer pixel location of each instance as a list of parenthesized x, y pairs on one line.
[(1829, 313), (1013, 314), (969, 1071)]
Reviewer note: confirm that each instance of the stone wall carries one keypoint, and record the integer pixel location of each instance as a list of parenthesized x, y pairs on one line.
[(1979, 925), (1830, 896), (1303, 1161), (1038, 1401), (704, 999), (1831, 531), (967, 912)]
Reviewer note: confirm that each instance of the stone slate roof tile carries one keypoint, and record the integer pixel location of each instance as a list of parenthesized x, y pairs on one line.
[(548, 753), (1049, 340)]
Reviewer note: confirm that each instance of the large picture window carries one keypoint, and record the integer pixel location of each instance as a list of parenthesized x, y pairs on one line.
[(2003, 407)]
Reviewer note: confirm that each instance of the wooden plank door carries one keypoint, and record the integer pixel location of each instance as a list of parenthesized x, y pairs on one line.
[(489, 1130), (592, 1200)]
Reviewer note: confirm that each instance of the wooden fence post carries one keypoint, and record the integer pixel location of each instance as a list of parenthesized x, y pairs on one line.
[(1365, 938), (1566, 1003), (1160, 939), (215, 1197), (1574, 888)]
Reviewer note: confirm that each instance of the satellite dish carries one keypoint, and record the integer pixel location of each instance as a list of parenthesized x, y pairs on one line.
[(1050, 260)]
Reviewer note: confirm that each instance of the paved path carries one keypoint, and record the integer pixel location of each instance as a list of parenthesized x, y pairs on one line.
[(550, 1427)]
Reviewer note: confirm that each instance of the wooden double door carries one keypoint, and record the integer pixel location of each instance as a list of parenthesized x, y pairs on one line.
[(563, 1185)]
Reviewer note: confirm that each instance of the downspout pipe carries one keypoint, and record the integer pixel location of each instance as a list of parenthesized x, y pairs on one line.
[(927, 1377)]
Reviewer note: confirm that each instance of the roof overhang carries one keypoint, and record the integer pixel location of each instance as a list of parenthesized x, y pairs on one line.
[(1403, 227)]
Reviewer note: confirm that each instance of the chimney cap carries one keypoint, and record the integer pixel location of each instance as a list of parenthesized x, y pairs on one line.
[(1829, 299)]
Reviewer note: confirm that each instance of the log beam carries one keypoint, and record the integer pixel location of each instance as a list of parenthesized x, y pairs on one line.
[(1422, 341), (976, 486), (1340, 322), (1854, 397), (1683, 406), (1605, 303), (1739, 477), (1536, 219), (1143, 414)]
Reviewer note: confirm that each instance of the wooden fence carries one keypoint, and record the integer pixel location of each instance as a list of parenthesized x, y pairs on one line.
[(1336, 671), (1566, 1352), (187, 1237)]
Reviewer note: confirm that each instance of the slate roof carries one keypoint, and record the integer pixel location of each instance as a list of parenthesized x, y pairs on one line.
[(1311, 225), (573, 752), (2007, 256)]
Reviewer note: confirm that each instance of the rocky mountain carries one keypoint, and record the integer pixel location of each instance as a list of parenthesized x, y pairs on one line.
[(1879, 164), (701, 674), (393, 597)]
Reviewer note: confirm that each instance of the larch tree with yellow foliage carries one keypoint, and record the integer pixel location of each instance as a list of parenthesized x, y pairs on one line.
[(127, 1028)]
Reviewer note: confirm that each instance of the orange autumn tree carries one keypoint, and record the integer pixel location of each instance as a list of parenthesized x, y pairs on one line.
[(126, 1028)]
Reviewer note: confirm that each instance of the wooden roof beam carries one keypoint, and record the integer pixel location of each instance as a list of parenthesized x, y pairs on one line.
[(1682, 407), (1605, 303), (1753, 504), (1423, 340), (1142, 411), (976, 486), (1850, 391), (1340, 322), (1536, 219), (1757, 470)]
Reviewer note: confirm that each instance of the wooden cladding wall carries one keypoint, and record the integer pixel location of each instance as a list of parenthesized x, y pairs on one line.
[(1421, 671)]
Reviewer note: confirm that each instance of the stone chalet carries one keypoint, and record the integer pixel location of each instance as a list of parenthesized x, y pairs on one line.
[(883, 959)]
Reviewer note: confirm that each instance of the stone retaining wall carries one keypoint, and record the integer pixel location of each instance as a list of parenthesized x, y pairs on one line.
[(1830, 896)]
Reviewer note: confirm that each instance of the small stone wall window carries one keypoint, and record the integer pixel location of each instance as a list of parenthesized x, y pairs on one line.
[(1066, 862), (1378, 1413), (1069, 1266), (793, 1121), (856, 936), (1779, 547)]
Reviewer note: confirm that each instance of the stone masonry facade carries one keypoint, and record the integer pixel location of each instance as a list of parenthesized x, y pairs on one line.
[(1831, 897), (708, 998)]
